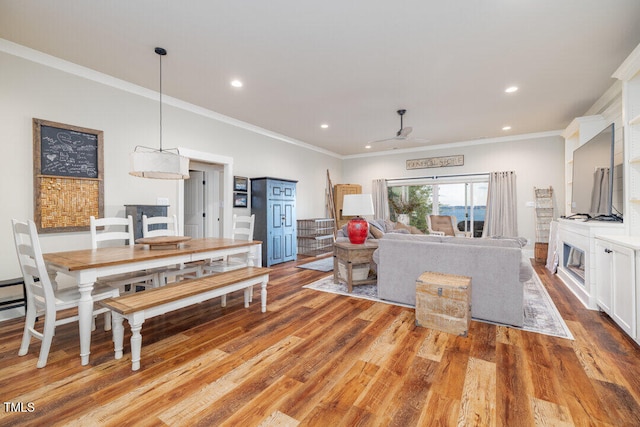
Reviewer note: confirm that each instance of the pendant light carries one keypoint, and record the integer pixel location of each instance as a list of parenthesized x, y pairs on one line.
[(163, 163)]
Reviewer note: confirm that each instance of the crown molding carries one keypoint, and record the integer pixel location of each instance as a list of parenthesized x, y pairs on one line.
[(630, 67), (468, 143), (87, 73)]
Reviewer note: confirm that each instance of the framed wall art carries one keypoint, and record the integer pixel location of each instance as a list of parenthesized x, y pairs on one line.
[(240, 183), (240, 200), (68, 176)]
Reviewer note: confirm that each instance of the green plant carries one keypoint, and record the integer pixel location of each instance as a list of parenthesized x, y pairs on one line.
[(400, 206), (419, 203)]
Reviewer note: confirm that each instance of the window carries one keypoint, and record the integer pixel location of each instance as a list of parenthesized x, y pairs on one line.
[(464, 197)]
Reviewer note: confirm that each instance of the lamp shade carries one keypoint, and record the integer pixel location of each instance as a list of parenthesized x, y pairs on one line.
[(159, 165), (357, 204)]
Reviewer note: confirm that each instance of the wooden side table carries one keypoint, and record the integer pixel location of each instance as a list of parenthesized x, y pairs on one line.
[(351, 255)]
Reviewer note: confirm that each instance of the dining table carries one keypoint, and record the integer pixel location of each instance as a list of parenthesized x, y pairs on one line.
[(86, 266)]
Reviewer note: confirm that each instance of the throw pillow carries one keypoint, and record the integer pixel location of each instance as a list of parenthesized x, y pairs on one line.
[(401, 226), (375, 232), (389, 225), (415, 230)]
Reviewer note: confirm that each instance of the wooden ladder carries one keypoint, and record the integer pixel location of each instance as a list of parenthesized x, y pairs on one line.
[(544, 216)]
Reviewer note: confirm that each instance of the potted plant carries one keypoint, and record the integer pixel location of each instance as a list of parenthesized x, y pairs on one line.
[(403, 208)]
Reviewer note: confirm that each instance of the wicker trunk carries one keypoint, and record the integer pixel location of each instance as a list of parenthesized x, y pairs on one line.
[(443, 302)]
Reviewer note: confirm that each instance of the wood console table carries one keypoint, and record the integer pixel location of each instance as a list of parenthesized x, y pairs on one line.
[(351, 255)]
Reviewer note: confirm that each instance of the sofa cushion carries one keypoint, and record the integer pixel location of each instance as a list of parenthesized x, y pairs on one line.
[(500, 243), (414, 237), (519, 240)]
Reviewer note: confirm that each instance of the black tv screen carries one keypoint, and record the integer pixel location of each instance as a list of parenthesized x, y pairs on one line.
[(592, 185)]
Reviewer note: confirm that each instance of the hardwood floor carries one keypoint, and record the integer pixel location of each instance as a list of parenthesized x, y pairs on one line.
[(327, 360)]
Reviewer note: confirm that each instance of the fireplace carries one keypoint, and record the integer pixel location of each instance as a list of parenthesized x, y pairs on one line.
[(574, 262)]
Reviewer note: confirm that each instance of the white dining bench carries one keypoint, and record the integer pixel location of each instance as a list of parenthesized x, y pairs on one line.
[(153, 302)]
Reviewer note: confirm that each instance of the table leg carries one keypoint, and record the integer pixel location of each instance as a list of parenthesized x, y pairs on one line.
[(336, 275), (349, 276), (136, 322), (118, 334), (85, 315), (263, 295)]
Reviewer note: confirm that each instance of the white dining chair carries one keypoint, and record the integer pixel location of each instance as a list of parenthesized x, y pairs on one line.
[(118, 230), (153, 226), (242, 230), (158, 226), (43, 298)]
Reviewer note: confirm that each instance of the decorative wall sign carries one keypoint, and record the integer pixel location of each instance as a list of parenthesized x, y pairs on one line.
[(68, 176), (436, 162)]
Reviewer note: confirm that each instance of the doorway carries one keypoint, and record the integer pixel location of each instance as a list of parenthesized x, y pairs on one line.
[(204, 200), (202, 207)]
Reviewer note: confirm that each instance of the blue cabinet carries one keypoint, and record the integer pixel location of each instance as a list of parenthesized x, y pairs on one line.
[(273, 201)]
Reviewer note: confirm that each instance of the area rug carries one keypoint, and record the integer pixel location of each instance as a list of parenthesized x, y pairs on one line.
[(323, 264), (540, 313)]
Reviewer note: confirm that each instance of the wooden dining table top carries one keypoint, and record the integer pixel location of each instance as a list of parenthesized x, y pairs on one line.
[(84, 259)]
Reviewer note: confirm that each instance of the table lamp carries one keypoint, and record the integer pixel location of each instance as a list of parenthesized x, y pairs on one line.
[(357, 205)]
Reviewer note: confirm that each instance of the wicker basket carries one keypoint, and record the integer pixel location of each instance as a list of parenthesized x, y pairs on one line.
[(360, 272)]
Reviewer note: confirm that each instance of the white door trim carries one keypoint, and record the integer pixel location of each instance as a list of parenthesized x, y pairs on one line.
[(227, 185)]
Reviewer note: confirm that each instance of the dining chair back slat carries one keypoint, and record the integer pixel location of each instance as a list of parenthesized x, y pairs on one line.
[(170, 226), (243, 227), (112, 230)]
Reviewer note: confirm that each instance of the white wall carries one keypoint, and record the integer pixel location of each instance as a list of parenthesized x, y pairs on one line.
[(538, 162), (128, 116)]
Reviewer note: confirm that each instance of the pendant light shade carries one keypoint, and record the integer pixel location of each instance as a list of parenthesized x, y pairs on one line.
[(159, 164), (150, 163)]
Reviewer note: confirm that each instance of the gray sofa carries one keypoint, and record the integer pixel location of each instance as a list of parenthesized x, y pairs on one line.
[(495, 266)]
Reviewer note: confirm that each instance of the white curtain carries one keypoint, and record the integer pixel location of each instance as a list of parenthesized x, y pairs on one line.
[(501, 218), (380, 199)]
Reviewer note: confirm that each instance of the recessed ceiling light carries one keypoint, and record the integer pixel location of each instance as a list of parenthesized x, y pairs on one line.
[(236, 83), (324, 126), (511, 89), (506, 128), (367, 146)]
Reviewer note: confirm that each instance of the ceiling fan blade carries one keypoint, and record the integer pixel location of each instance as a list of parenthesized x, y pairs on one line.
[(384, 140), (405, 131)]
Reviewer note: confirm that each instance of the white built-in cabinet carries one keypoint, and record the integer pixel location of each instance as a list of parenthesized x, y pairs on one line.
[(613, 282), (616, 283), (629, 74)]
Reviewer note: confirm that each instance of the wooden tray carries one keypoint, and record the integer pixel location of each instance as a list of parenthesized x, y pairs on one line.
[(163, 242)]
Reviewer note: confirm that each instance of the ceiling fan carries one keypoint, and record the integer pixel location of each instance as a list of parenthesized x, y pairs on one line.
[(403, 133)]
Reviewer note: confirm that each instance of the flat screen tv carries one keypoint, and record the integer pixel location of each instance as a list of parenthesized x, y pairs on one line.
[(592, 185)]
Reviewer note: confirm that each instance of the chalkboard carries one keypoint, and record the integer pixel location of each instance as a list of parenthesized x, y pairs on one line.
[(68, 176), (66, 152)]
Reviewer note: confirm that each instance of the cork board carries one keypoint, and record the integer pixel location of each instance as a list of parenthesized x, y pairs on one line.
[(68, 176)]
